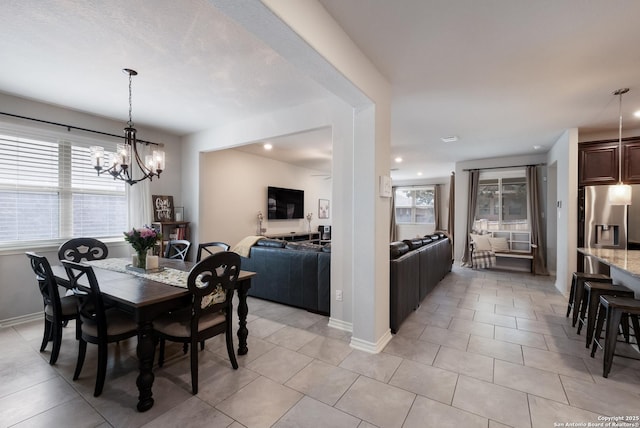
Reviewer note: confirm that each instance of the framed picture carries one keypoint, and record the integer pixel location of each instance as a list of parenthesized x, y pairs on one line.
[(162, 208), (323, 208), (178, 213)]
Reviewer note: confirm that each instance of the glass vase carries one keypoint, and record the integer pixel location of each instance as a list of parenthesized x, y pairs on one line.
[(142, 259)]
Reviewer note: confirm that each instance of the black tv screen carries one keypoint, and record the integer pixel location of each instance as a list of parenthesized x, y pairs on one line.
[(284, 203)]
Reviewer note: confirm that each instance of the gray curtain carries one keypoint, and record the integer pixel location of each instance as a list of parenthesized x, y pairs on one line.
[(436, 206), (393, 234), (474, 180), (451, 217), (540, 265)]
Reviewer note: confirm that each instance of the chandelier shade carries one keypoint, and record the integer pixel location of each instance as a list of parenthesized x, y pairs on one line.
[(126, 163), (620, 194)]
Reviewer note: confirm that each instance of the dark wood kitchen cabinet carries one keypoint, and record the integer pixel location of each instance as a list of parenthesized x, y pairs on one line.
[(631, 166), (598, 162)]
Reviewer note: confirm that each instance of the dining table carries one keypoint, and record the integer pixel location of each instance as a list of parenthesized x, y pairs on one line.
[(149, 294)]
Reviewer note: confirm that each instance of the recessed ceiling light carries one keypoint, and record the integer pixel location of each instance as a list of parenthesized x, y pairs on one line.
[(637, 113), (268, 146), (450, 139), (398, 159), (419, 173), (537, 147)]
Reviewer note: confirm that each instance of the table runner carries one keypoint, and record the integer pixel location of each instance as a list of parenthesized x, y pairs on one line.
[(175, 277)]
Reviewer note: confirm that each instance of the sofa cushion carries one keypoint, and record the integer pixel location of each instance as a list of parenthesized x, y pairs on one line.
[(413, 243), (398, 249), (499, 245), (326, 248), (276, 243), (435, 237), (303, 246), (426, 240), (481, 242)]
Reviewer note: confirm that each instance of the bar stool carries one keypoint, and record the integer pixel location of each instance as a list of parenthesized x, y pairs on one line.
[(577, 289), (615, 309), (590, 301)]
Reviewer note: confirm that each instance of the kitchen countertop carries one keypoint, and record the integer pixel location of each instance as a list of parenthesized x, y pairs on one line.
[(626, 260)]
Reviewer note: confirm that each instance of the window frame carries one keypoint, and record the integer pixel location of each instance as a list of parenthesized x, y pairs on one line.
[(480, 224), (64, 189), (413, 205)]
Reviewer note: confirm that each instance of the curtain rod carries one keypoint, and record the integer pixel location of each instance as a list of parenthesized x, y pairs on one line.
[(503, 167), (70, 127)]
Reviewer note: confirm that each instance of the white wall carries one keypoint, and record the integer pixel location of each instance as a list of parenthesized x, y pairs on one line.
[(19, 295), (563, 157), (236, 186)]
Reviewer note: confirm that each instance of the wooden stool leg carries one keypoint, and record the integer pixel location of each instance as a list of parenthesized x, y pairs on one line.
[(593, 303), (598, 330), (610, 340)]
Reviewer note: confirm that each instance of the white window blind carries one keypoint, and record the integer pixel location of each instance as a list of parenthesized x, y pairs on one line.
[(49, 191)]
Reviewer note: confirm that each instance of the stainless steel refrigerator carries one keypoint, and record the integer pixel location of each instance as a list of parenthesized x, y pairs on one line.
[(605, 225)]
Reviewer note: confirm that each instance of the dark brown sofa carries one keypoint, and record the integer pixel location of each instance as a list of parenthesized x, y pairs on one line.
[(416, 267)]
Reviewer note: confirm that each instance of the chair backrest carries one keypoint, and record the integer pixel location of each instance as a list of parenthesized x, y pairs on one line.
[(177, 249), (91, 306), (208, 248), (46, 281), (212, 281), (79, 249)]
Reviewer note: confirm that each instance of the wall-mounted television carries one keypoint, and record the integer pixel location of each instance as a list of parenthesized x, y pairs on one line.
[(284, 203)]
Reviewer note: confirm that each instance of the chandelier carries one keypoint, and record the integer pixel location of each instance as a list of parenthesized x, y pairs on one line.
[(120, 165), (620, 194)]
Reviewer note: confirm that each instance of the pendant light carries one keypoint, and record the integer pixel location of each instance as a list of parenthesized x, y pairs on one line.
[(121, 164), (620, 194)]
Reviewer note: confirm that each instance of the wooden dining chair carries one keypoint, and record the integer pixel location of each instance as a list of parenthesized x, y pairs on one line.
[(177, 249), (211, 283), (57, 311), (98, 325), (79, 249), (208, 248)]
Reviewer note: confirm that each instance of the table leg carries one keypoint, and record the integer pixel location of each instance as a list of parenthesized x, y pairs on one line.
[(146, 351), (243, 310)]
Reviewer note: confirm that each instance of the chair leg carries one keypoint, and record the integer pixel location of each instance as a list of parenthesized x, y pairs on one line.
[(578, 303), (46, 335), (57, 341), (597, 334), (161, 353), (593, 302), (636, 327), (102, 368), (581, 308), (624, 326), (202, 345), (611, 338), (572, 303), (194, 367), (185, 348), (230, 351), (82, 351)]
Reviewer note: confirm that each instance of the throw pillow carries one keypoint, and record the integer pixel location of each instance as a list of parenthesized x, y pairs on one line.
[(499, 245), (481, 242)]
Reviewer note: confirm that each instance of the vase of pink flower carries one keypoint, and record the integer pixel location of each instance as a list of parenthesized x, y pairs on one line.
[(142, 240)]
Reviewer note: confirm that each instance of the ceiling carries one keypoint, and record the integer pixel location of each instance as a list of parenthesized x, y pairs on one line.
[(501, 75)]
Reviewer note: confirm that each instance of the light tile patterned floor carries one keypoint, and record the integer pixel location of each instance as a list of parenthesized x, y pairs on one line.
[(485, 349)]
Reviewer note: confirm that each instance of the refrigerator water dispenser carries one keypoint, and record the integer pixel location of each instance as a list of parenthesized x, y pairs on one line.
[(608, 235)]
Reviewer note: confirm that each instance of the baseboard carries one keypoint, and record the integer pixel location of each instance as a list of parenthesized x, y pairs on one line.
[(372, 347), (9, 322), (340, 325)]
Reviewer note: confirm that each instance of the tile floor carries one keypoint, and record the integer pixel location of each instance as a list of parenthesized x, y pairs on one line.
[(485, 349)]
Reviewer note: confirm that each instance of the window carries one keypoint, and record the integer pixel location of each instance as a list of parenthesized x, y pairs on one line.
[(502, 201), (414, 205), (50, 192)]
